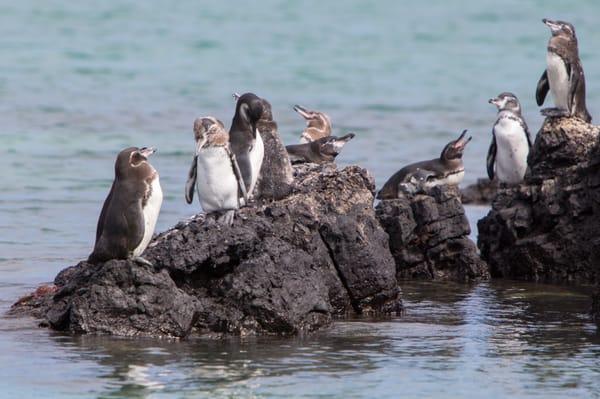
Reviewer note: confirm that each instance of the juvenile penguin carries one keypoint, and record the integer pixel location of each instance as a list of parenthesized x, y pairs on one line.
[(215, 173), (447, 169), (563, 75), (318, 124), (319, 151), (507, 155), (245, 140), (130, 211)]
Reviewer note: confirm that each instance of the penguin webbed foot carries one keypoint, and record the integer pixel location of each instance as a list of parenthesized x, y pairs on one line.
[(555, 112), (141, 261)]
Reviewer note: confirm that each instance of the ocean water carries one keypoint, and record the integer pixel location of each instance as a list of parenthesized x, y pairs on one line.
[(79, 81)]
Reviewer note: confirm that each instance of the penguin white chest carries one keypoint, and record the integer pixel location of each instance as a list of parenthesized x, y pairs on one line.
[(512, 150), (216, 183), (558, 79), (257, 154), (150, 212), (453, 178)]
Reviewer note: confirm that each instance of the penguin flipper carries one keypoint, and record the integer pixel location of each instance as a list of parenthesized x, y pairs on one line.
[(238, 176), (542, 88), (102, 216), (526, 130), (245, 166), (134, 218), (577, 80), (190, 184), (491, 156)]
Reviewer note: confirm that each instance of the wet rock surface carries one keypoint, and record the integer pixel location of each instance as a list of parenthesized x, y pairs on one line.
[(548, 228), (429, 236), (287, 267)]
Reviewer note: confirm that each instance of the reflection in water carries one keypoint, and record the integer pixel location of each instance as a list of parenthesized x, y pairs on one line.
[(454, 340)]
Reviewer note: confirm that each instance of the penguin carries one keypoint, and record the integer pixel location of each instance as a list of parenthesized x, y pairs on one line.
[(447, 169), (245, 141), (320, 151), (318, 124), (130, 211), (507, 155), (215, 173), (563, 75)]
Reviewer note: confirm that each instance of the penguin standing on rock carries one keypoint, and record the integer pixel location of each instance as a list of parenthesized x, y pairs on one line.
[(130, 211), (245, 140), (507, 155), (318, 124), (563, 75), (215, 173), (447, 169)]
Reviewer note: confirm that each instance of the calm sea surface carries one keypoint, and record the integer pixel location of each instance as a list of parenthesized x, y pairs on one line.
[(81, 80)]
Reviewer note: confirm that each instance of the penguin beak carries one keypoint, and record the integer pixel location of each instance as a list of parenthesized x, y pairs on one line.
[(493, 101), (347, 137), (339, 142), (553, 25), (461, 142), (306, 114), (236, 96), (147, 151), (200, 143)]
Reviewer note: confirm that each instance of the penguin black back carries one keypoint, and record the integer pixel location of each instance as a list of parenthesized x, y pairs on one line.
[(242, 137), (447, 169), (121, 223)]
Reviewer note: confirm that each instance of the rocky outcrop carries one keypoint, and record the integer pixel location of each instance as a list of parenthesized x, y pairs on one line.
[(596, 306), (482, 192), (548, 228), (429, 236), (283, 268)]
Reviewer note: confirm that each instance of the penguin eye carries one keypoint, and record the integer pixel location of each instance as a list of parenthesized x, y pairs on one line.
[(136, 158)]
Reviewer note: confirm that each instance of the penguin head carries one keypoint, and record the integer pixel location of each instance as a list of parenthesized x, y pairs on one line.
[(455, 148), (314, 119), (560, 28), (208, 132), (249, 109), (506, 102), (267, 113), (133, 162), (332, 145)]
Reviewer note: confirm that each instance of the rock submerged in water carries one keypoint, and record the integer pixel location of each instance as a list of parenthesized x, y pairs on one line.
[(482, 192), (283, 268), (429, 236), (548, 228)]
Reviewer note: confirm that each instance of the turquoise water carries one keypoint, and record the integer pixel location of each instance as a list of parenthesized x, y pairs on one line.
[(81, 80)]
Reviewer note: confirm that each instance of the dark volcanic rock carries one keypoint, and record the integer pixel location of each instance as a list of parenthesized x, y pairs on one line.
[(548, 228), (481, 192), (596, 306), (429, 236), (282, 268)]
